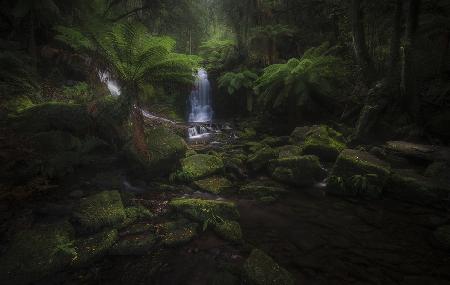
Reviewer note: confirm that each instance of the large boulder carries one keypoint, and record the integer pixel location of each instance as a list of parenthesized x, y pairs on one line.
[(407, 185), (319, 140), (201, 210), (214, 184), (37, 252), (93, 247), (288, 151), (95, 212), (177, 232), (165, 149), (298, 170), (358, 173), (261, 158), (261, 269), (201, 165)]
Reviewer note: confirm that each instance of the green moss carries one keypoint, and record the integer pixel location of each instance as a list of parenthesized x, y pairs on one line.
[(104, 209), (324, 142), (203, 210), (261, 269), (354, 162), (366, 186), (258, 190), (177, 232), (288, 151), (190, 152), (259, 160), (247, 133), (134, 245), (165, 150), (93, 247), (275, 141), (201, 165), (229, 230), (36, 253), (298, 170), (214, 184), (136, 214), (254, 146)]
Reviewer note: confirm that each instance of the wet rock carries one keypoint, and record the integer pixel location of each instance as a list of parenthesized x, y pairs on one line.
[(229, 230), (165, 149), (202, 210), (276, 141), (441, 237), (407, 185), (319, 140), (201, 165), (37, 252), (134, 245), (235, 166), (93, 247), (260, 159), (214, 184), (177, 232), (299, 170), (261, 269), (418, 151), (104, 209)]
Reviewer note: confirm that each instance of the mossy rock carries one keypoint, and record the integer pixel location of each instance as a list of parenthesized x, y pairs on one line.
[(288, 151), (229, 230), (72, 118), (298, 170), (261, 269), (247, 133), (54, 141), (275, 141), (259, 190), (354, 162), (411, 187), (93, 247), (202, 210), (104, 209), (254, 146), (136, 214), (134, 245), (201, 165), (214, 184), (319, 140), (260, 159), (190, 152), (36, 253), (441, 237), (177, 233), (137, 228), (367, 186), (165, 149)]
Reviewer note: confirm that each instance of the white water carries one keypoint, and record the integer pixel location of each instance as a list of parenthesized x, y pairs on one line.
[(200, 99), (112, 85)]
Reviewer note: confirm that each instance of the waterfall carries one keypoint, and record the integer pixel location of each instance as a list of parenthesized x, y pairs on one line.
[(112, 85), (200, 99)]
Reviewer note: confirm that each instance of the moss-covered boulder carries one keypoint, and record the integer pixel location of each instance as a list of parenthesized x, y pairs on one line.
[(367, 186), (36, 253), (276, 141), (72, 118), (178, 232), (201, 210), (93, 247), (261, 269), (261, 158), (54, 141), (95, 212), (134, 245), (298, 170), (254, 146), (229, 230), (260, 189), (214, 184), (441, 237), (136, 214), (354, 162), (201, 165), (288, 151), (407, 185), (319, 140), (165, 149)]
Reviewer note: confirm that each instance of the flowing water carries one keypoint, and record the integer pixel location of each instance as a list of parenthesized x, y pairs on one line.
[(200, 99)]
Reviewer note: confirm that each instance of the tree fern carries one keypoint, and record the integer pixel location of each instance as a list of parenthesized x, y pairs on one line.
[(239, 82), (313, 75)]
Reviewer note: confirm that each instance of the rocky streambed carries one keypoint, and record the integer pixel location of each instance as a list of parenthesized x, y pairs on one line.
[(298, 209)]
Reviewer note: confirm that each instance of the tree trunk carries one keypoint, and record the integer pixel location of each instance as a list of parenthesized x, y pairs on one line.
[(395, 42), (359, 43), (409, 84)]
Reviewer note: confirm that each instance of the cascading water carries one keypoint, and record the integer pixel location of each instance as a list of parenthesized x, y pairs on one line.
[(200, 99), (112, 85)]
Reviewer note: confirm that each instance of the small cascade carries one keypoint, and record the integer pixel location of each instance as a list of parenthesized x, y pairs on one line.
[(198, 132), (112, 85), (200, 99)]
